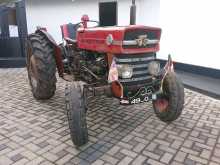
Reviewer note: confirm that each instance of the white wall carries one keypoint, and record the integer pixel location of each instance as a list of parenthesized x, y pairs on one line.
[(53, 13), (191, 31), (148, 12)]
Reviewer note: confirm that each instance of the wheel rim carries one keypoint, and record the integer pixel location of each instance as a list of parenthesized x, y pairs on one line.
[(161, 104)]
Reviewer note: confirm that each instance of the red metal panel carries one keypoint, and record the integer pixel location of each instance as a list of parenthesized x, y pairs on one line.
[(57, 51), (95, 39)]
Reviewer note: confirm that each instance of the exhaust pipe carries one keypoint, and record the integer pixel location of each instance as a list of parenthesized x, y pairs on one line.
[(133, 13)]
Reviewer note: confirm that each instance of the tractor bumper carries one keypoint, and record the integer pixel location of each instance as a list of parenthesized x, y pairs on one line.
[(139, 99), (143, 95)]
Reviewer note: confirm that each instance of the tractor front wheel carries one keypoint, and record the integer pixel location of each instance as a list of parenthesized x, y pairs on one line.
[(76, 113), (168, 107), (41, 66)]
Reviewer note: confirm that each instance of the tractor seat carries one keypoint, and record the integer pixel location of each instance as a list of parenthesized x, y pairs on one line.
[(69, 32)]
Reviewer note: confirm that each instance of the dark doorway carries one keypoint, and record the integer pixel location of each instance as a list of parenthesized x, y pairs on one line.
[(108, 13), (13, 32)]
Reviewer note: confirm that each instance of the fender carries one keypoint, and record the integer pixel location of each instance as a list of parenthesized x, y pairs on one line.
[(57, 51)]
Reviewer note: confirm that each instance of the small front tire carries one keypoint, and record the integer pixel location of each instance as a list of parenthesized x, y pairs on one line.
[(170, 105), (76, 113)]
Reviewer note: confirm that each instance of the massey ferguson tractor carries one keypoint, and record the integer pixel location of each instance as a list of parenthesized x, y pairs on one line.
[(117, 61)]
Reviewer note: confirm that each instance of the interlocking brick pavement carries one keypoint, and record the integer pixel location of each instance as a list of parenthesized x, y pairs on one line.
[(36, 132)]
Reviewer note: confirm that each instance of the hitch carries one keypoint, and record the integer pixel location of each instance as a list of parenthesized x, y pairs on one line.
[(97, 91)]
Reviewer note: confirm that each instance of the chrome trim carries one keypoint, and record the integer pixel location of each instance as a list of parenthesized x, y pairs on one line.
[(140, 72), (134, 66), (135, 79), (117, 43), (134, 59), (135, 42)]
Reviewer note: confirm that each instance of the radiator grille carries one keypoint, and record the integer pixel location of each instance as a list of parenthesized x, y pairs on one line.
[(133, 35), (139, 63)]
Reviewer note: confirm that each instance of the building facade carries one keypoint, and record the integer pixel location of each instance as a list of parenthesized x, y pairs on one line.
[(182, 22)]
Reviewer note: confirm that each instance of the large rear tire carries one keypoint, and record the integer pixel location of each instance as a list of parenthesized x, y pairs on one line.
[(41, 66), (170, 105), (76, 112)]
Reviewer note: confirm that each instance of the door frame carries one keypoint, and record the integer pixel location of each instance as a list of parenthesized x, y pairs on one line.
[(18, 59)]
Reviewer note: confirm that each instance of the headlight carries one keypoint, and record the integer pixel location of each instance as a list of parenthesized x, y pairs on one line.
[(154, 68), (125, 71)]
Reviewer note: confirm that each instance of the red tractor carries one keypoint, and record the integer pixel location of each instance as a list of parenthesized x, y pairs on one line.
[(114, 61)]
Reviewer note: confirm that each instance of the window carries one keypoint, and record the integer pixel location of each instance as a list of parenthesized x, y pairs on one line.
[(108, 13)]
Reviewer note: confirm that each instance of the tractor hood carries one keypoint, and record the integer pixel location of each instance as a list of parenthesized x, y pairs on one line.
[(120, 39)]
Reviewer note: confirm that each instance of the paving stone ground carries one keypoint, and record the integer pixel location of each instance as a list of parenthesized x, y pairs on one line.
[(33, 132)]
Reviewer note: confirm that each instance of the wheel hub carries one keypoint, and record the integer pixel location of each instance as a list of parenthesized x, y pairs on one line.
[(161, 104)]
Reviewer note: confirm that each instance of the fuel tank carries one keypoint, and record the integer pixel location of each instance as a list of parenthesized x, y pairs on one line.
[(130, 39)]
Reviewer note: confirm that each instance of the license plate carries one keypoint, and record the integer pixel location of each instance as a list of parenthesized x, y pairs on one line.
[(139, 100)]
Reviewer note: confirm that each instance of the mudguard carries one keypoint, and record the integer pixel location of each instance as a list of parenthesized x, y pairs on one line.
[(57, 51)]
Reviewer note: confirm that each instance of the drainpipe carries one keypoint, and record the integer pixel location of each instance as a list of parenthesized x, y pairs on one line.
[(133, 13)]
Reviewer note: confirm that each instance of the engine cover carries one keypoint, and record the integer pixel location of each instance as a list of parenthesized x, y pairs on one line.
[(119, 40)]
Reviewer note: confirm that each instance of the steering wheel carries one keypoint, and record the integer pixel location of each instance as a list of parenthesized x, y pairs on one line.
[(98, 23), (81, 23)]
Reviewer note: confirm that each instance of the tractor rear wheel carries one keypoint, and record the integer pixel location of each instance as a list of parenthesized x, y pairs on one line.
[(76, 113), (41, 66), (169, 106)]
